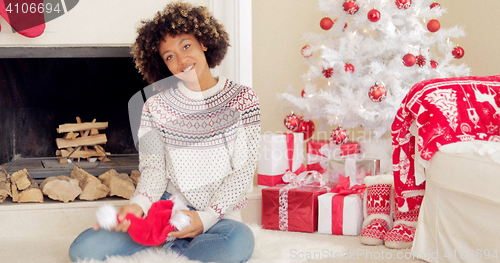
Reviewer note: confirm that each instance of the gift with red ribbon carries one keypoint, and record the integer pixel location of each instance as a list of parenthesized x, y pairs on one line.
[(340, 212), (318, 154), (278, 154), (354, 167), (294, 207)]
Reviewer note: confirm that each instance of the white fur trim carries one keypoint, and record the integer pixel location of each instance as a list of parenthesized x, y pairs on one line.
[(379, 179), (178, 218), (387, 218), (106, 216), (404, 222)]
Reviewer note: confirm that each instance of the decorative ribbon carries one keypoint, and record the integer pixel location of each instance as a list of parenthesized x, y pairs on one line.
[(295, 181), (343, 189), (319, 162)]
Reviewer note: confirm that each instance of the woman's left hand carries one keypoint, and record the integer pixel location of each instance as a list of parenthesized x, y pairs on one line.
[(193, 230)]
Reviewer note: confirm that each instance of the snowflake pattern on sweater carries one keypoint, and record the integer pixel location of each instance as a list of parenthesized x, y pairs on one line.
[(206, 146)]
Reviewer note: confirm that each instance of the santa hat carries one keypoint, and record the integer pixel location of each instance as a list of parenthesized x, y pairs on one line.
[(163, 217)]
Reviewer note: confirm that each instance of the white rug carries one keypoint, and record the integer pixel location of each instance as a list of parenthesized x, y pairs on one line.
[(270, 246)]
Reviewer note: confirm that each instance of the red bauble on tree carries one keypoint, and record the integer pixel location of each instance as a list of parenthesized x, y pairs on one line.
[(458, 52), (374, 15), (420, 60), (339, 136), (377, 92), (434, 64), (328, 72), (292, 122), (326, 23), (307, 128), (350, 7), (409, 60), (403, 4), (306, 51), (433, 25), (435, 5), (349, 67)]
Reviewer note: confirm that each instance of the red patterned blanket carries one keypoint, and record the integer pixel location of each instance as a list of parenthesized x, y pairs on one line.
[(445, 111)]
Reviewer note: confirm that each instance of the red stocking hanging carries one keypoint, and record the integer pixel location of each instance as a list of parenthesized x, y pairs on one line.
[(25, 17)]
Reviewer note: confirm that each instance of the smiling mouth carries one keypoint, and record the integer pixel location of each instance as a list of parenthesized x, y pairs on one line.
[(188, 68)]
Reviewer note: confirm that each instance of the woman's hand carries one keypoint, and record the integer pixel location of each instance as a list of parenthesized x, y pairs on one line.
[(193, 230), (123, 224)]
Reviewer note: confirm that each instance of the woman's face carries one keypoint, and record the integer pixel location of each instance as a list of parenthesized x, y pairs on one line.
[(185, 58)]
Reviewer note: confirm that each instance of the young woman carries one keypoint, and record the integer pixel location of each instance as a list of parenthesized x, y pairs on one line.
[(198, 140)]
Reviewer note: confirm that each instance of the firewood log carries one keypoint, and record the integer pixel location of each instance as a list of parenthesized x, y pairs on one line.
[(32, 194), (135, 175), (61, 188), (92, 188), (119, 184), (20, 178), (4, 184)]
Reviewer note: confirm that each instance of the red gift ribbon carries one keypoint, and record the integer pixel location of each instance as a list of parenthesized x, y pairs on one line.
[(342, 190), (273, 180)]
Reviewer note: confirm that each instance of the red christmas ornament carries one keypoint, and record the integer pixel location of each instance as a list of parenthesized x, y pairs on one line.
[(339, 136), (433, 25), (409, 60), (349, 67), (458, 52), (377, 92), (434, 64), (420, 60), (435, 5), (403, 4), (351, 7), (328, 72), (306, 51), (326, 23), (307, 128), (374, 15), (292, 121)]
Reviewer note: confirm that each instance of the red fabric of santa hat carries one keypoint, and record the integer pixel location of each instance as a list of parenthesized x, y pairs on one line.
[(154, 228)]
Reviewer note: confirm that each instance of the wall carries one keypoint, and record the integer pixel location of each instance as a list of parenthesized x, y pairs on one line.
[(278, 27)]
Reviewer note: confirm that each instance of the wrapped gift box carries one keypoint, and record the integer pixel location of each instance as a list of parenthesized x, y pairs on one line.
[(302, 208), (319, 152), (340, 214), (354, 168), (279, 153)]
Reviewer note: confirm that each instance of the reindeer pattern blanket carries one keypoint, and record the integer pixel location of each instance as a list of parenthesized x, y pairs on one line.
[(444, 111)]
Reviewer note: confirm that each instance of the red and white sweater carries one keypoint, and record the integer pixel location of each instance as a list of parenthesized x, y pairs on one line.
[(202, 146)]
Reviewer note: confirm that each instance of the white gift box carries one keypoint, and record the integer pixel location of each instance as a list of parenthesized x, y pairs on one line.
[(274, 157), (344, 218)]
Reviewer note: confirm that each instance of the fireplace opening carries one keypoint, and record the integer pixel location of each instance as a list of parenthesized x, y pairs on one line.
[(42, 88)]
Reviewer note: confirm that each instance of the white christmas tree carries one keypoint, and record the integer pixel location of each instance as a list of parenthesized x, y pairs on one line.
[(369, 56), (360, 69)]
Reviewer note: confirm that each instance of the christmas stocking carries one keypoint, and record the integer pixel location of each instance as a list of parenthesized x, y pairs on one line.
[(377, 209), (403, 232), (27, 18)]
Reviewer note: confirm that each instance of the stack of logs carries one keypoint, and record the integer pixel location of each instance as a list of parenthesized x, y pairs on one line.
[(89, 135), (23, 189)]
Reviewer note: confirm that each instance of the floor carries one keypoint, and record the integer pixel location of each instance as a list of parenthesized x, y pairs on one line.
[(43, 233)]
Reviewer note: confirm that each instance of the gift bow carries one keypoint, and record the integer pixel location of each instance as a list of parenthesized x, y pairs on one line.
[(305, 178), (344, 187), (322, 158)]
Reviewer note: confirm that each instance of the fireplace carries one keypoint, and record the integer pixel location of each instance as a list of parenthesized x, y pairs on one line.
[(42, 88)]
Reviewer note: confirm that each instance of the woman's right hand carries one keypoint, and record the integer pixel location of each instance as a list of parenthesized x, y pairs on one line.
[(124, 224)]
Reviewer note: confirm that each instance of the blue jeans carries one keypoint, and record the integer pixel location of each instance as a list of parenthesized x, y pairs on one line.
[(226, 241)]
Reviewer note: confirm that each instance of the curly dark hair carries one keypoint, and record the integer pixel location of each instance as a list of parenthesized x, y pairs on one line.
[(177, 18)]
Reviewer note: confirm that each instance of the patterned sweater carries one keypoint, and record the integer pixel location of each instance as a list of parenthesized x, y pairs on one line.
[(201, 146)]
